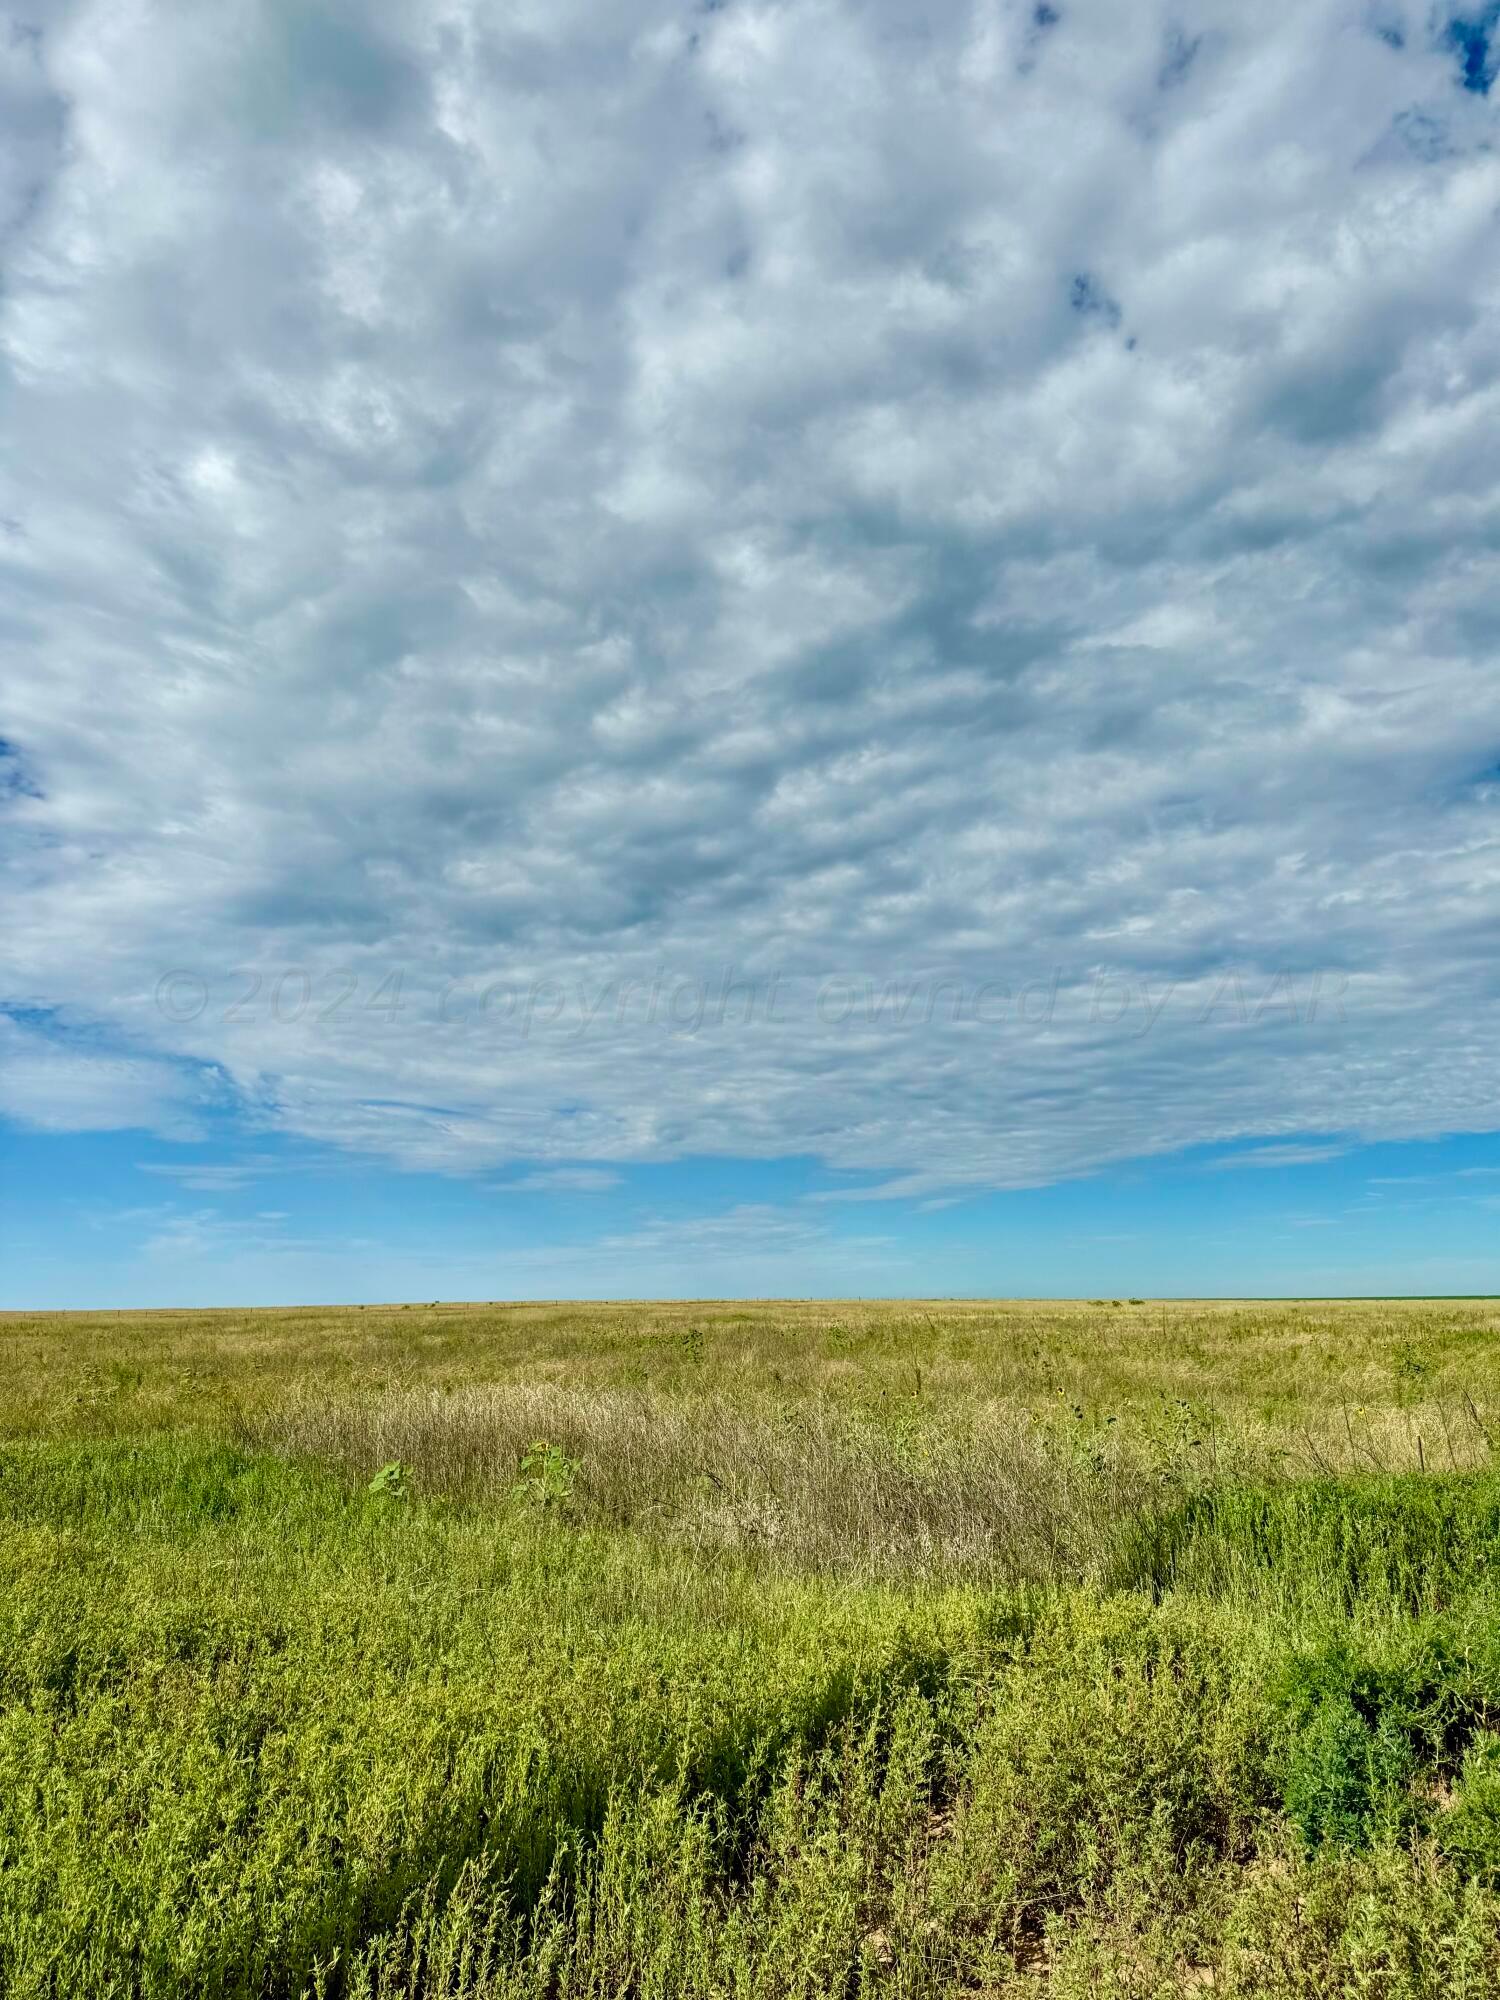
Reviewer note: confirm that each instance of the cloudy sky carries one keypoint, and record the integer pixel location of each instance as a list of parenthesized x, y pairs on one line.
[(767, 645)]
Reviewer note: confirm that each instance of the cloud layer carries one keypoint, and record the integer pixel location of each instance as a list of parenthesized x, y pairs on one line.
[(508, 513)]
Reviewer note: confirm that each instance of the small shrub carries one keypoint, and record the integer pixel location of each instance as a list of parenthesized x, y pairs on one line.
[(1347, 1781)]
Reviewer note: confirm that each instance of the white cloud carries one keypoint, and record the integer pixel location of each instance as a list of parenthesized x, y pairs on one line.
[(751, 1246), (209, 1176), (1276, 1156), (56, 1086), (563, 1180), (592, 498)]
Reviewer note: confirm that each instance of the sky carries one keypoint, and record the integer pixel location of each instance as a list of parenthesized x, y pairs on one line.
[(748, 649)]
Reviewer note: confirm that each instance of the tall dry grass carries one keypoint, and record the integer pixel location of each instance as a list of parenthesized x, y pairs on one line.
[(881, 1488), (881, 1493)]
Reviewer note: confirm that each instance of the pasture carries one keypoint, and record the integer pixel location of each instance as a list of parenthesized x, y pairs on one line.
[(917, 1649)]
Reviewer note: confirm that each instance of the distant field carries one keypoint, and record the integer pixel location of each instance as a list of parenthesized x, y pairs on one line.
[(781, 1649)]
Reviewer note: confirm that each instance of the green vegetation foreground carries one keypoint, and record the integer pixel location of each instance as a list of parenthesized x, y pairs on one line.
[(775, 1650)]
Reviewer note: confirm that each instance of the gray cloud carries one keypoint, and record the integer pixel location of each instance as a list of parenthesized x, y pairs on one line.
[(818, 491)]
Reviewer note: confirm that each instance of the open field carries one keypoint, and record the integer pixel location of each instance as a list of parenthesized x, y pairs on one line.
[(777, 1649)]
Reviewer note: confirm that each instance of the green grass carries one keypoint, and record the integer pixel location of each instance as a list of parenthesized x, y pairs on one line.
[(751, 1651)]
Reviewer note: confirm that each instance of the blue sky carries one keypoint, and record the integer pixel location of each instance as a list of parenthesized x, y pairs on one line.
[(122, 1221), (784, 646)]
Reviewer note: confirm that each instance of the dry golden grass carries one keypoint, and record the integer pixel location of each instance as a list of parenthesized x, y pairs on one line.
[(900, 1488), (1293, 1366)]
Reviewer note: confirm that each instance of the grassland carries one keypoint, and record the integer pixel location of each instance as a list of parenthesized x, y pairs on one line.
[(920, 1650)]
